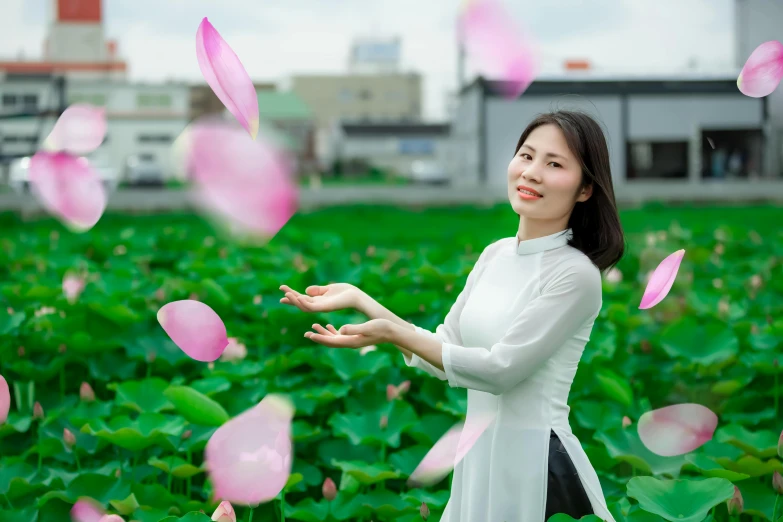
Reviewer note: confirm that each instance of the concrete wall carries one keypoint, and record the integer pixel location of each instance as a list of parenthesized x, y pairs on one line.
[(463, 160)]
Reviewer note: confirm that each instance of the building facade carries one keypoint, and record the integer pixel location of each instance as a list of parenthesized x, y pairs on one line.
[(388, 97), (669, 138)]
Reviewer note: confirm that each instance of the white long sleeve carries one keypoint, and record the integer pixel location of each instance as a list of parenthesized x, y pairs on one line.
[(448, 331), (569, 302)]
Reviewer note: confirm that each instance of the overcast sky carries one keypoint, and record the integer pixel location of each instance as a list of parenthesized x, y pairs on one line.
[(278, 38)]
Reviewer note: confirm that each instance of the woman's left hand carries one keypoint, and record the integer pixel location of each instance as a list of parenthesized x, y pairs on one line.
[(375, 331)]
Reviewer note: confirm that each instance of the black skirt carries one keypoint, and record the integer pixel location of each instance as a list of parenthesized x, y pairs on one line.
[(565, 493)]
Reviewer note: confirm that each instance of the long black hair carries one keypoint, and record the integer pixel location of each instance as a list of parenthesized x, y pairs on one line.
[(596, 222)]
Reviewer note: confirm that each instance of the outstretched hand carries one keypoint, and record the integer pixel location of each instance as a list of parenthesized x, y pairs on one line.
[(375, 331)]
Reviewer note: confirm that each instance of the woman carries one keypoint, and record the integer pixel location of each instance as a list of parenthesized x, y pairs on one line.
[(516, 333)]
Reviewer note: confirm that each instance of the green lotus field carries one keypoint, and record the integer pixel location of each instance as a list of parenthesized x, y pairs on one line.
[(138, 446)]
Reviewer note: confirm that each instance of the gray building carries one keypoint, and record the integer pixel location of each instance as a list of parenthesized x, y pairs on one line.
[(669, 138)]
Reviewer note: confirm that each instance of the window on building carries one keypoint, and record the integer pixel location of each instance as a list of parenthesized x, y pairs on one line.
[(153, 101), (155, 138), (11, 139), (91, 98), (657, 160), (9, 100), (30, 101), (732, 154), (365, 94)]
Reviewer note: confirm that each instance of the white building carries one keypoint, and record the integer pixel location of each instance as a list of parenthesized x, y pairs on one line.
[(669, 138), (79, 65)]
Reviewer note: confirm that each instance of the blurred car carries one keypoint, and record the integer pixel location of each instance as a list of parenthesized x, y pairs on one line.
[(428, 171), (18, 175), (142, 169)]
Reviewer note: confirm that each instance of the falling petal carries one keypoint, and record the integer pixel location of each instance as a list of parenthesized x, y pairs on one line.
[(493, 40), (449, 451), (763, 71), (249, 457), (87, 510), (246, 183), (227, 77), (79, 130), (661, 280), (678, 429), (5, 399), (72, 287), (235, 351), (69, 188), (195, 328)]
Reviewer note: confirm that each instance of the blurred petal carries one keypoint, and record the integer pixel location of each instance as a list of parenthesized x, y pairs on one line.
[(80, 130), (661, 280), (224, 513), (763, 71), (246, 183), (68, 188), (72, 287), (5, 399), (227, 77), (450, 449), (492, 39), (112, 518), (87, 510), (249, 457), (195, 328), (678, 429), (235, 351)]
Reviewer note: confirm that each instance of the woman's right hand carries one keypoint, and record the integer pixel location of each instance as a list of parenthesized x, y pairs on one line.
[(329, 298)]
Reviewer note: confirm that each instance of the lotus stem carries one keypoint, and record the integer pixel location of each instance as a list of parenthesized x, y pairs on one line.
[(777, 498), (776, 393), (282, 505), (78, 464), (62, 383), (189, 478), (7, 501), (250, 515)]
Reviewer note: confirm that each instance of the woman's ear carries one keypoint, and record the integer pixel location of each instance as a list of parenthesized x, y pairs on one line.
[(585, 193)]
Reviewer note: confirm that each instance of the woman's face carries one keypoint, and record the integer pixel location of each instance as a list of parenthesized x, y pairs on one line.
[(546, 165)]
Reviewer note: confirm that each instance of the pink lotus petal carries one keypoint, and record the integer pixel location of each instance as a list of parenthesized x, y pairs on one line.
[(111, 518), (450, 449), (763, 71), (80, 130), (5, 399), (195, 328), (69, 188), (247, 183), (678, 429), (249, 457), (662, 280), (224, 513), (87, 510), (494, 41), (228, 78), (72, 287)]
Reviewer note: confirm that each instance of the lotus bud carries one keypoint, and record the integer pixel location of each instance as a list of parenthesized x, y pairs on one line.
[(614, 276), (224, 513), (86, 393), (117, 472), (735, 504), (645, 346), (424, 511), (384, 422), (20, 351), (62, 348), (777, 482), (257, 299), (187, 434), (391, 392), (68, 438), (780, 445), (329, 489), (38, 412), (404, 387), (626, 421)]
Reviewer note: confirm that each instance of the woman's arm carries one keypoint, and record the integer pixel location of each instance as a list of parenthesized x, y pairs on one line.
[(375, 310)]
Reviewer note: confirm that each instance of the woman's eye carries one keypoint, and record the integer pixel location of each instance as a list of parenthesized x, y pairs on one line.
[(555, 164), (526, 156)]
